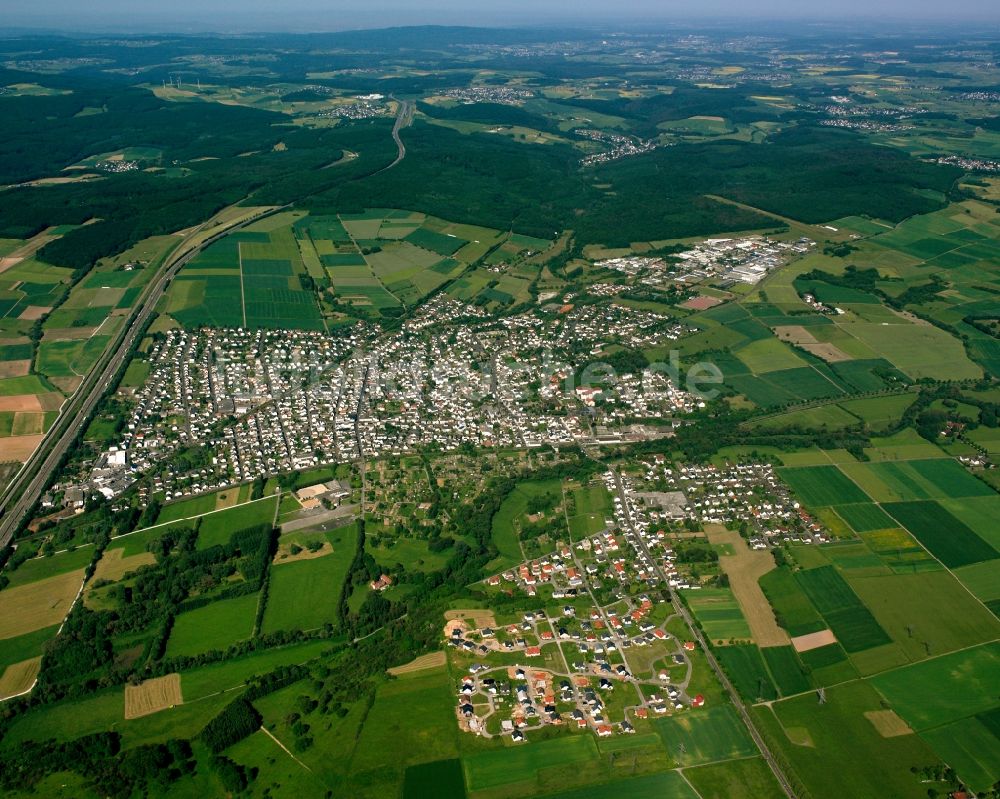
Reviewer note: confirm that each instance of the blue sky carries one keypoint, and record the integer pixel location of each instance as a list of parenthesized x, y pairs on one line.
[(325, 15)]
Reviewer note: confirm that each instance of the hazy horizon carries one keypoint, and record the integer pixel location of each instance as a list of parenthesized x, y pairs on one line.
[(300, 16)]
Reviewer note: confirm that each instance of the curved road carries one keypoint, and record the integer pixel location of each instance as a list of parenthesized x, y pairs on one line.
[(403, 119), (25, 489)]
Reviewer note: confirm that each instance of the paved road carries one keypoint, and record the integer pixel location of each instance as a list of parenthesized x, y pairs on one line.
[(403, 119), (696, 634), (27, 486)]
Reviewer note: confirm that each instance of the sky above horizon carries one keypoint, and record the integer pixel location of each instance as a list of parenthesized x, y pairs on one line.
[(331, 15)]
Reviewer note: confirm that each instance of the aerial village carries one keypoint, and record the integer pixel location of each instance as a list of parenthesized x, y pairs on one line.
[(606, 653), (274, 401)]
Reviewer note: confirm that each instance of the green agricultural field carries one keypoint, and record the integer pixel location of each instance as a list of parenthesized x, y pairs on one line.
[(865, 517), (970, 748), (786, 670), (668, 785), (792, 608), (745, 667), (980, 514), (217, 527), (431, 780), (894, 481), (819, 486), (944, 689), (304, 595), (982, 579), (24, 647), (835, 750), (523, 764), (952, 542), (705, 735), (852, 623), (719, 614), (217, 625), (749, 778), (927, 612), (40, 568)]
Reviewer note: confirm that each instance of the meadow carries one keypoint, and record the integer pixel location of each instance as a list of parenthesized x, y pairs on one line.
[(705, 736), (215, 626), (304, 595)]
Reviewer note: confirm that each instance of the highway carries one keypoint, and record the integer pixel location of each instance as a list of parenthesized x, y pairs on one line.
[(685, 614), (403, 119), (28, 485)]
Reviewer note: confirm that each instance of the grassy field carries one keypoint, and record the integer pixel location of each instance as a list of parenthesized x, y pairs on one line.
[(819, 486), (217, 625), (218, 527), (517, 764), (945, 537), (927, 613), (835, 751), (438, 778), (304, 595), (512, 514), (389, 726), (719, 613), (206, 680), (944, 689), (668, 785), (749, 778), (705, 736)]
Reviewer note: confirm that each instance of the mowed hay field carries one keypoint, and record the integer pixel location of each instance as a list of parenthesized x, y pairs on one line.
[(151, 696), (114, 565), (19, 677), (30, 607), (431, 660)]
